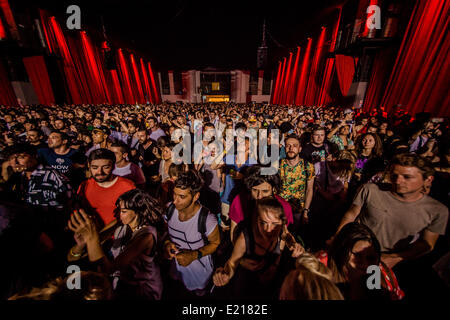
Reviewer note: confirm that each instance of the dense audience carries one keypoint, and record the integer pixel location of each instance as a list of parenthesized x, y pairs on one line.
[(223, 201)]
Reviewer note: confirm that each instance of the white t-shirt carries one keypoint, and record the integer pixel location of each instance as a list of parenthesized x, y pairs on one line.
[(186, 236)]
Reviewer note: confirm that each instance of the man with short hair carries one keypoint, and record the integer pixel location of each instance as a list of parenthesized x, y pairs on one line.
[(189, 249), (98, 194), (297, 180), (146, 156), (406, 221), (58, 155), (35, 138), (124, 167), (155, 130), (100, 139)]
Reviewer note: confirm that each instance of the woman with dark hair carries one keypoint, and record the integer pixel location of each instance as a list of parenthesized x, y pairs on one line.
[(369, 150), (352, 251), (258, 186), (135, 273), (256, 262)]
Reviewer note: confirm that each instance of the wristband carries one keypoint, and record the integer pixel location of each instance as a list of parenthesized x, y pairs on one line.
[(199, 254)]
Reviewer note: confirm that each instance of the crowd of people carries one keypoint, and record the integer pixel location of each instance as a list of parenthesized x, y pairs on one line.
[(223, 201)]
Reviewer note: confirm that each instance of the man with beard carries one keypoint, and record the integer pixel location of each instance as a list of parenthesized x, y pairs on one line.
[(98, 194), (58, 155), (35, 138), (297, 180), (146, 156)]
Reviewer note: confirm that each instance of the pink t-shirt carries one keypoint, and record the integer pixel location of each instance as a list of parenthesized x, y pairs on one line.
[(237, 212)]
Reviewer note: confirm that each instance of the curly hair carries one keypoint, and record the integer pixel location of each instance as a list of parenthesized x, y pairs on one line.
[(147, 208), (190, 180)]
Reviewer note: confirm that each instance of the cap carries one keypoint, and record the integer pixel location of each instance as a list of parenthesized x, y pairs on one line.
[(103, 129)]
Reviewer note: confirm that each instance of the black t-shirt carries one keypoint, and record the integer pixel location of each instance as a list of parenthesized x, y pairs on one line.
[(148, 155), (62, 163), (314, 154)]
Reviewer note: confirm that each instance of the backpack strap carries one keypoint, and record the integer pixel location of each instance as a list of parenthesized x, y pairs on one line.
[(202, 223), (170, 211)]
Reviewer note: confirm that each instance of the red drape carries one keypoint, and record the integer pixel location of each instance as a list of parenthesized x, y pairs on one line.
[(324, 97), (294, 76), (303, 80), (86, 77), (277, 84), (7, 95), (345, 69), (287, 81), (37, 72), (379, 76), (312, 89), (419, 80), (156, 91)]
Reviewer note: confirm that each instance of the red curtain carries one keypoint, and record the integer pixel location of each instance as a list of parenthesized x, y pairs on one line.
[(7, 95), (83, 65), (379, 76), (37, 72), (156, 95), (345, 69), (314, 76), (419, 80)]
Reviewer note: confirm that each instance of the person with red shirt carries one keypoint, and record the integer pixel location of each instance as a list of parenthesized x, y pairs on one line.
[(98, 194)]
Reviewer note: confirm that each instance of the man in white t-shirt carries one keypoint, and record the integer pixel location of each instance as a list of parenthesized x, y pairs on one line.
[(124, 167), (155, 130), (189, 249)]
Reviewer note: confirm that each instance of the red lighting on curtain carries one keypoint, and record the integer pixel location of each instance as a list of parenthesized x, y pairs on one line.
[(379, 76), (311, 90), (287, 80), (7, 95), (148, 92), (114, 83), (293, 84), (281, 89), (277, 84), (137, 79), (303, 80), (2, 30), (345, 69), (73, 81), (37, 72), (97, 84), (420, 75), (157, 98), (324, 96), (129, 98)]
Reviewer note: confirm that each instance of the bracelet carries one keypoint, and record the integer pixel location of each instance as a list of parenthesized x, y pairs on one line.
[(199, 254), (74, 254), (306, 209)]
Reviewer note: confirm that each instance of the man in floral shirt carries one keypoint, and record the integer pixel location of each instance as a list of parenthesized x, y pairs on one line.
[(297, 180)]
